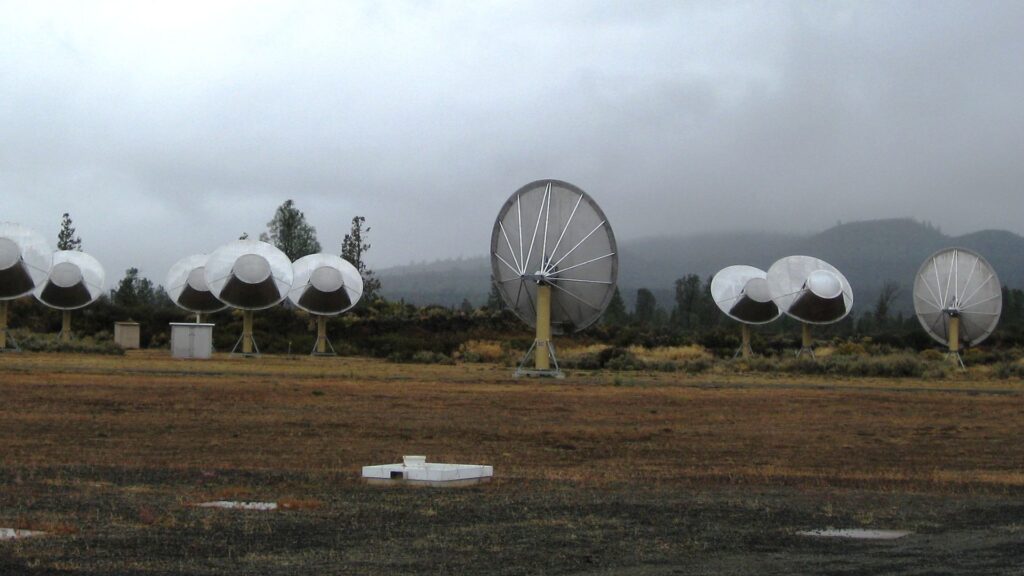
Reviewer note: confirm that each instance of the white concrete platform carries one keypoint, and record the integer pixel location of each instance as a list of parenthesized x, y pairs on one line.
[(235, 505), (416, 470), (15, 534), (856, 533)]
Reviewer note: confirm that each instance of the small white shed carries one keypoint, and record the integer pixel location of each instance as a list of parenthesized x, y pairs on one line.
[(126, 335)]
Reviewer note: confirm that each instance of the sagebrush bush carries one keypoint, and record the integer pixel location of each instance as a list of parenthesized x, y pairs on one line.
[(1005, 370), (34, 342)]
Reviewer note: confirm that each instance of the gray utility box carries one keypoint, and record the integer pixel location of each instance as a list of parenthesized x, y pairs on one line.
[(126, 335), (191, 340)]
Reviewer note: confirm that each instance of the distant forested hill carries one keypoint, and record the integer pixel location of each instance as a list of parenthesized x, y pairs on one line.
[(870, 253)]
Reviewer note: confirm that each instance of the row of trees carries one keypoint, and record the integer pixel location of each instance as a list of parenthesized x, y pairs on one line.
[(288, 230), (397, 328)]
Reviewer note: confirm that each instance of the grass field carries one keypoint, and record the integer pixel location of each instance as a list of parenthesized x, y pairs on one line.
[(599, 473)]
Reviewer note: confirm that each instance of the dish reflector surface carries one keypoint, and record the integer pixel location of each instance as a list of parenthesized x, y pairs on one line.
[(810, 289), (75, 281), (325, 284), (186, 285), (552, 232), (742, 293), (958, 282), (25, 260), (248, 274)]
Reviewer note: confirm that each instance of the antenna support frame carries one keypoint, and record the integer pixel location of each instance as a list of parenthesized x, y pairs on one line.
[(249, 347)]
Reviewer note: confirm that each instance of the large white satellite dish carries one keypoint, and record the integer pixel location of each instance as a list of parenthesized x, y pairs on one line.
[(743, 294), (25, 260), (249, 275), (555, 262), (75, 281), (324, 285), (810, 290), (957, 298), (186, 286)]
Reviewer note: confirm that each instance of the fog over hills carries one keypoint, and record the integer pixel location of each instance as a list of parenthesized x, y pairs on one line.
[(869, 253)]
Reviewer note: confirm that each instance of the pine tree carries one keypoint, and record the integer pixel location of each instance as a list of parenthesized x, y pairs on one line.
[(646, 307), (353, 247), (66, 239), (688, 301), (133, 290), (290, 232), (615, 314), (494, 300)]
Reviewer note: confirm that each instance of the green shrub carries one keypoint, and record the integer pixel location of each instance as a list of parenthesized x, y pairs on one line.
[(1005, 370), (34, 342)]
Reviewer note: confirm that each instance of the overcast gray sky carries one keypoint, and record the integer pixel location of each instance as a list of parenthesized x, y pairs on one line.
[(168, 128)]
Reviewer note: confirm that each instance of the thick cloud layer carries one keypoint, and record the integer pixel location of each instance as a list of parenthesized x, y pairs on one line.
[(166, 129)]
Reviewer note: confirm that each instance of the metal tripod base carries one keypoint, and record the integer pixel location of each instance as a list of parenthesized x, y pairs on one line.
[(959, 360), (234, 351), (808, 351), (745, 351), (12, 343), (555, 372), (316, 346)]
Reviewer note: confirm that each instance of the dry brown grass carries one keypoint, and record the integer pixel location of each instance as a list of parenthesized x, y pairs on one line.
[(335, 415), (670, 353)]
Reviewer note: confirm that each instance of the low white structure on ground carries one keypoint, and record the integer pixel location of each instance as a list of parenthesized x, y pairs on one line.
[(16, 534), (237, 505), (856, 533), (191, 340), (417, 471), (127, 335)]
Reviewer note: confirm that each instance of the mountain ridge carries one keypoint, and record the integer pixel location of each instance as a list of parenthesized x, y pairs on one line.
[(869, 252)]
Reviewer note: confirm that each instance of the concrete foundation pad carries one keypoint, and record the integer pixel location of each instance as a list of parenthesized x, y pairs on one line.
[(15, 534), (416, 471), (856, 533), (234, 505)]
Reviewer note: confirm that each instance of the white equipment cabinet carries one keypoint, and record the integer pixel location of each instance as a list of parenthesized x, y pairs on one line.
[(191, 340)]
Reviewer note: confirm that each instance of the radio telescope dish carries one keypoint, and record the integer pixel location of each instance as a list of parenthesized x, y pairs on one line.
[(325, 285), (742, 293), (957, 298), (811, 291), (186, 286), (75, 281), (555, 262), (249, 275), (25, 260)]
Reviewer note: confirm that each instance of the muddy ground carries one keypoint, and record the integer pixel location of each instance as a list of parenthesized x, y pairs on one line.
[(635, 474)]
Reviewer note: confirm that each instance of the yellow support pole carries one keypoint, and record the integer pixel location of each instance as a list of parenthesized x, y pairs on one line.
[(246, 331), (321, 334), (954, 334), (3, 324), (542, 359), (65, 327), (806, 342), (745, 346)]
